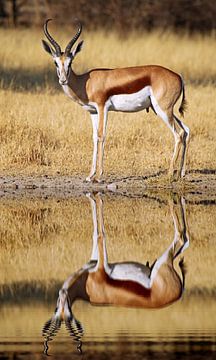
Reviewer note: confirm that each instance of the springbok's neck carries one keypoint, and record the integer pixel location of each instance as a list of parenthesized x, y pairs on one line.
[(76, 286), (75, 88)]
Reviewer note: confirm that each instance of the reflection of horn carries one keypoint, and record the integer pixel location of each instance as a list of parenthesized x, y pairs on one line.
[(76, 331), (50, 329)]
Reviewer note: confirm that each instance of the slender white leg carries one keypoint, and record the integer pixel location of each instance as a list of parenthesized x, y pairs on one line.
[(176, 151), (185, 150), (181, 140), (101, 138), (165, 119), (185, 143), (95, 121)]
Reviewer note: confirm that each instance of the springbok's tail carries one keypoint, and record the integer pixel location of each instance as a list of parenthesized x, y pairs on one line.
[(183, 105), (183, 271)]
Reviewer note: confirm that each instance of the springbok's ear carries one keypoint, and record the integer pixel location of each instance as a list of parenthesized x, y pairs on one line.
[(48, 48), (78, 48)]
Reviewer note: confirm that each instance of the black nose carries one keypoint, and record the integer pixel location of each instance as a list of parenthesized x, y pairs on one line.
[(63, 82)]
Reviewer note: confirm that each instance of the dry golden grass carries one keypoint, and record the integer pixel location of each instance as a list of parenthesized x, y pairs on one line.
[(42, 131)]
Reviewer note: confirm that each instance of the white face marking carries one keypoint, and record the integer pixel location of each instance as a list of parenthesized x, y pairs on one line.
[(130, 102), (63, 69), (63, 311)]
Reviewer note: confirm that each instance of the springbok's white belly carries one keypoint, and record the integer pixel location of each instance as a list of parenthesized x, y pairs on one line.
[(136, 272), (130, 102)]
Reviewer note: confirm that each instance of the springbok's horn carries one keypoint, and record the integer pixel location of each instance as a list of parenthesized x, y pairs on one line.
[(50, 329), (50, 38), (75, 38), (76, 332)]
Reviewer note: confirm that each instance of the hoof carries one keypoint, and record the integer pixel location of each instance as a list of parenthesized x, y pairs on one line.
[(92, 179), (88, 179), (183, 173), (174, 176), (96, 180)]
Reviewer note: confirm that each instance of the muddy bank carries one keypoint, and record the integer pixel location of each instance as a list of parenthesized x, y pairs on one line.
[(199, 184)]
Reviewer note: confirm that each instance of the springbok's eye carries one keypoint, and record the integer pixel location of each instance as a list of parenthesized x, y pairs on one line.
[(55, 63)]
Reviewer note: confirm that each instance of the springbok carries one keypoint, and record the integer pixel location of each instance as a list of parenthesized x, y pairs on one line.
[(130, 89), (128, 284)]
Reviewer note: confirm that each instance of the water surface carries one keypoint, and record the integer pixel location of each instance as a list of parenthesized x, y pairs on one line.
[(43, 241)]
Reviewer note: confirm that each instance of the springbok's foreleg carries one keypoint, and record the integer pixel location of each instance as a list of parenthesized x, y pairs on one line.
[(101, 139), (94, 118)]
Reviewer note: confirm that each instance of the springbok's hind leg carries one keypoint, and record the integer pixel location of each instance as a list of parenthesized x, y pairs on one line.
[(181, 136), (185, 144), (177, 130), (174, 173)]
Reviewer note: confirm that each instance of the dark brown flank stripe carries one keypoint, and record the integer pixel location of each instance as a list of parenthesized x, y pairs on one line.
[(129, 88), (125, 285)]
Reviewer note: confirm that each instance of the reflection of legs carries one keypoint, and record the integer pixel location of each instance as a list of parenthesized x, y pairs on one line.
[(103, 260), (181, 236), (99, 252), (94, 254)]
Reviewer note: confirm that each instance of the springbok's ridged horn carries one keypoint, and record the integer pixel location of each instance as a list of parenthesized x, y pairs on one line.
[(50, 38), (75, 38), (50, 329)]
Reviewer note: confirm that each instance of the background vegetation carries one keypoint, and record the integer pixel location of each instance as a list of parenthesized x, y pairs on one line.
[(120, 15)]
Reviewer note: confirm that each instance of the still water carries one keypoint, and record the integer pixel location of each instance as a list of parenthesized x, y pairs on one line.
[(108, 276)]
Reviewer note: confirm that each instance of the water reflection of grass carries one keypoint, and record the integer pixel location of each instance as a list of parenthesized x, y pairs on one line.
[(46, 240), (187, 318)]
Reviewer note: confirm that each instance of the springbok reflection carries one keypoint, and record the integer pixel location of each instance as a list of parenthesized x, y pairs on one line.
[(129, 284)]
